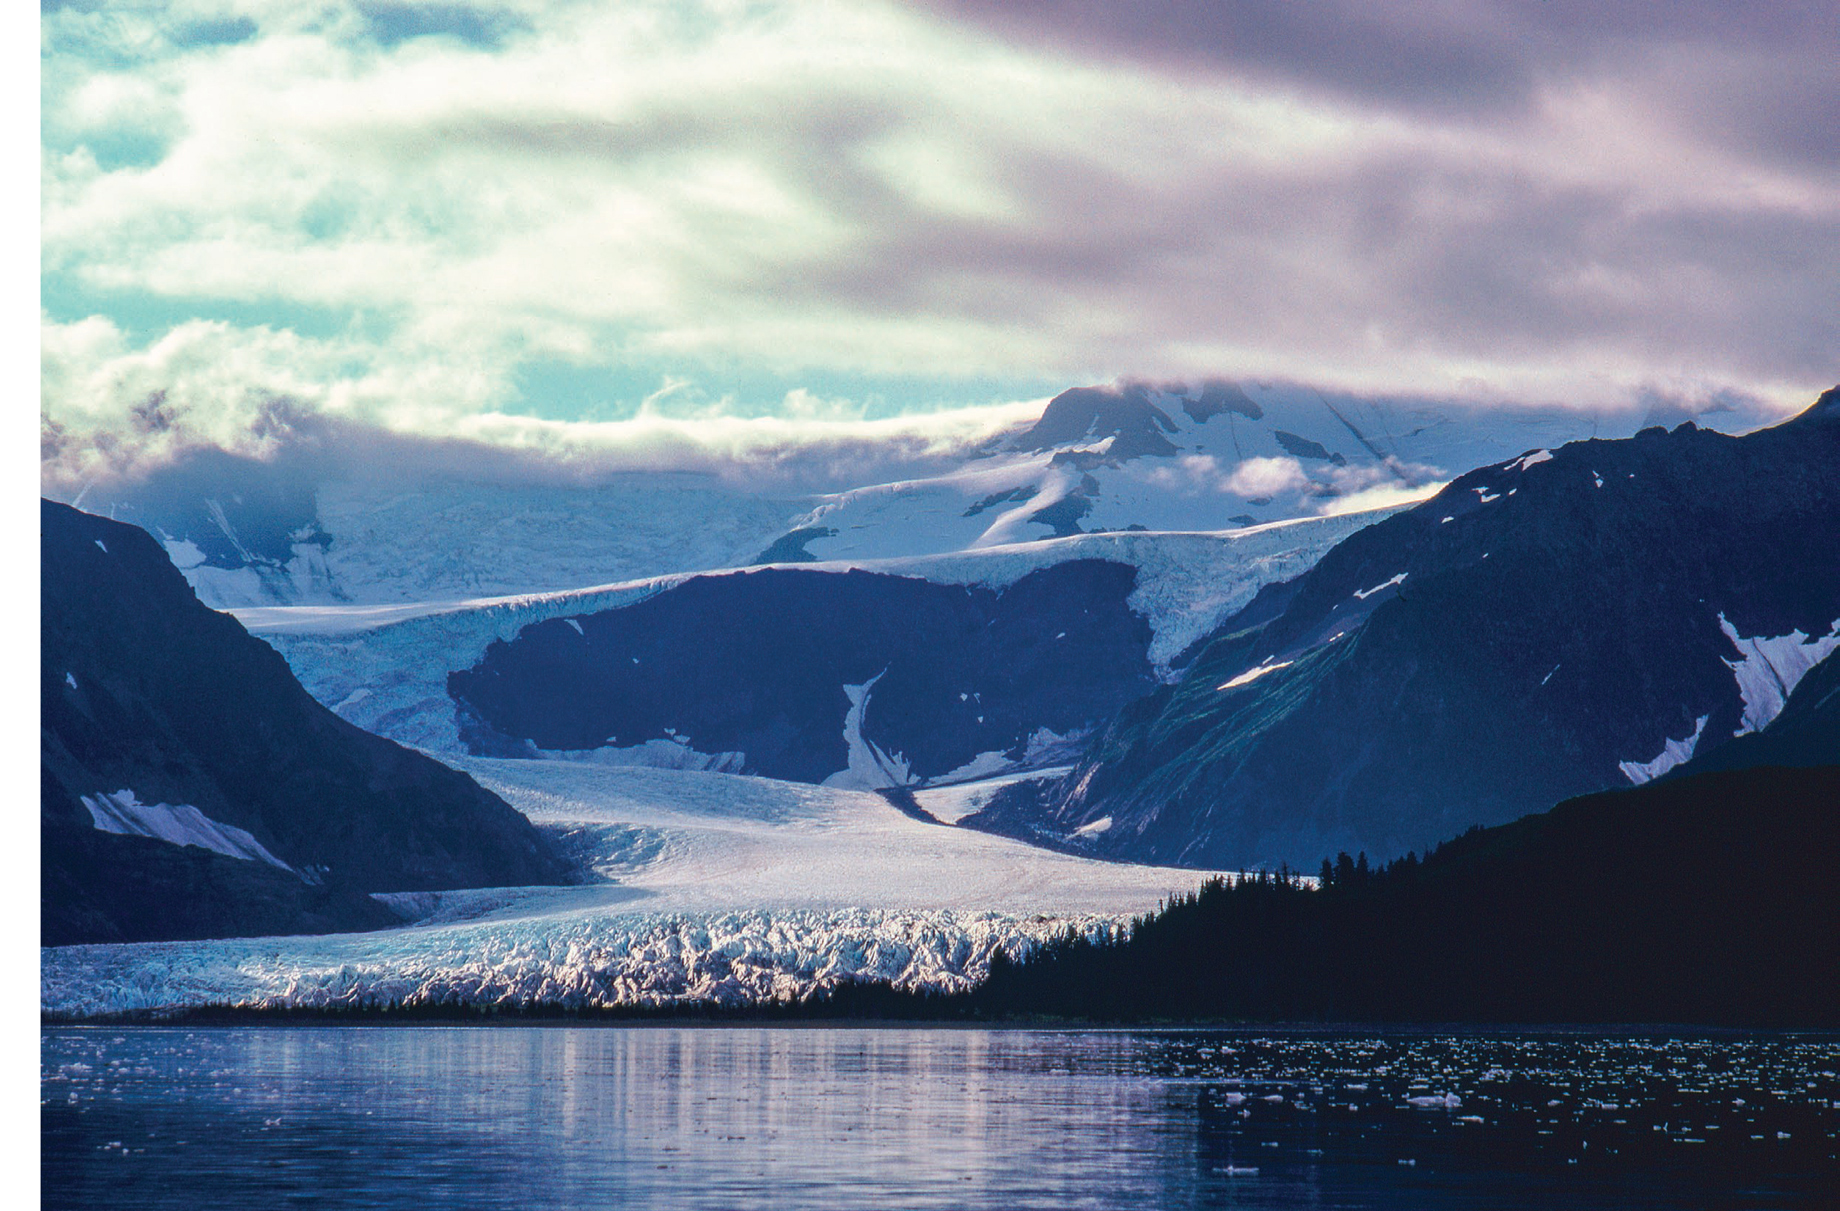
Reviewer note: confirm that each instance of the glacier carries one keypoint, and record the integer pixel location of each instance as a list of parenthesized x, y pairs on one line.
[(705, 887), (384, 667)]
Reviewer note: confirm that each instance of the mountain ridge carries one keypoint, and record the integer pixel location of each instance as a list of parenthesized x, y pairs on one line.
[(1437, 669), (166, 727)]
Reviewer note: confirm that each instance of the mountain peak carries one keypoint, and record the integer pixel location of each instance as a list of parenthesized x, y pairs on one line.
[(1827, 408)]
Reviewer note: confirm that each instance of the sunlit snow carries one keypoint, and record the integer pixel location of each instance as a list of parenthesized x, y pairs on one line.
[(869, 767), (1364, 594), (710, 886), (1673, 752), (1253, 674), (180, 824), (1770, 667)]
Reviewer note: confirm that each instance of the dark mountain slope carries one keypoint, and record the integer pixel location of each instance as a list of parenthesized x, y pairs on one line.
[(1707, 899), (758, 664), (1135, 426), (1540, 629), (1806, 733), (147, 692)]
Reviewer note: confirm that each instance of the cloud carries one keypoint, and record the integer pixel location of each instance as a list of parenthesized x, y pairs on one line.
[(1501, 201), (117, 411), (1379, 496), (1267, 477)]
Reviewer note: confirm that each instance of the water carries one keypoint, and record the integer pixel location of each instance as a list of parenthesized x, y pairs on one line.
[(826, 1117)]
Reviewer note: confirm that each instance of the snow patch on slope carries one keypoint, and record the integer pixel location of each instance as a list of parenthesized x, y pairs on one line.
[(1769, 668), (1253, 674), (952, 803), (869, 767), (1673, 752), (1364, 594), (176, 824)]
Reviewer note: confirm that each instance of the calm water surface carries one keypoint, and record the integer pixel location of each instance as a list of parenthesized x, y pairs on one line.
[(655, 1117)]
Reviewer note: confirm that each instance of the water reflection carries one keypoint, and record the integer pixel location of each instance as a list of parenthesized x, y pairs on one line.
[(827, 1117)]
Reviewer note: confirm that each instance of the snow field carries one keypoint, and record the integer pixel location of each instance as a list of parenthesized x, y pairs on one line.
[(723, 888), (385, 668)]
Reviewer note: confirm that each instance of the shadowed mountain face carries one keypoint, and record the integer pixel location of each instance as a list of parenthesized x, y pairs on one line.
[(191, 788), (1135, 426), (1708, 898), (808, 675), (1567, 622)]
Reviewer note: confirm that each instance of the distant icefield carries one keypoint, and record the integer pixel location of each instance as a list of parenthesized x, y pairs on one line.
[(711, 887), (384, 667), (716, 886)]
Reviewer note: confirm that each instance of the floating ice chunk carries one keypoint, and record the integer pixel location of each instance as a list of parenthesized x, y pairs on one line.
[(1673, 752), (1446, 1101), (180, 824), (1253, 674), (1364, 594), (1770, 667)]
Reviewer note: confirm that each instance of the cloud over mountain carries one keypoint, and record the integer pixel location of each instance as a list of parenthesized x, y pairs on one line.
[(417, 214)]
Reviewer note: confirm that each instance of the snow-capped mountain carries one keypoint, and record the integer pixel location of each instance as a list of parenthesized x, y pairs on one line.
[(303, 528), (1566, 621), (965, 665), (190, 787)]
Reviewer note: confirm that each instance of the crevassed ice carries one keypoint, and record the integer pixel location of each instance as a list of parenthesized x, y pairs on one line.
[(674, 752), (636, 959)]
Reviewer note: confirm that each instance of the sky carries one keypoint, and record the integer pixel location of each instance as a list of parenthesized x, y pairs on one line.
[(751, 225)]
